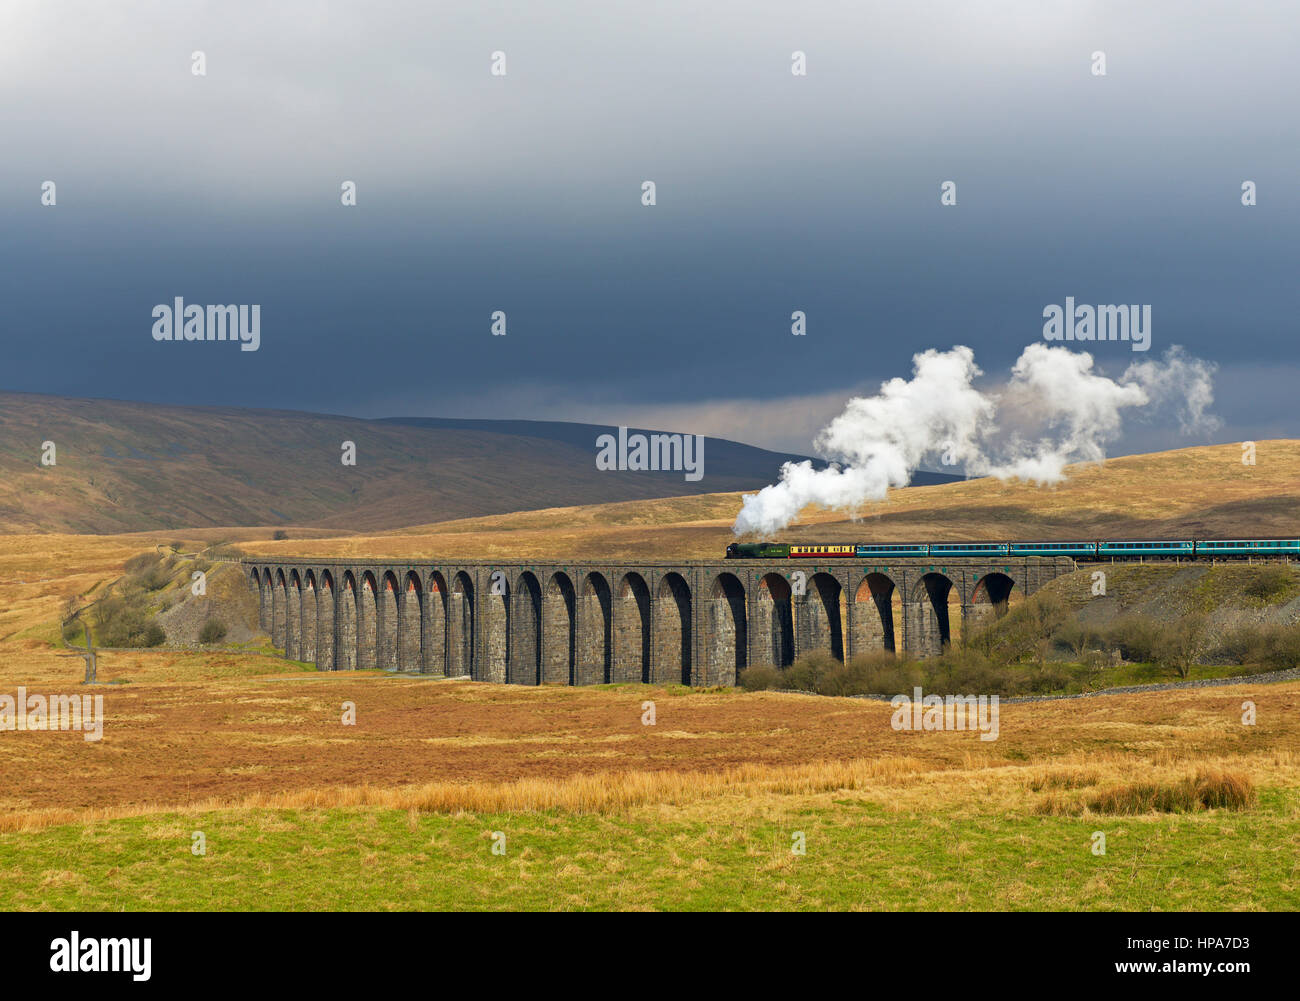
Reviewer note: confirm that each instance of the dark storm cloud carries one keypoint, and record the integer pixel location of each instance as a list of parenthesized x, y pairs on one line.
[(775, 193)]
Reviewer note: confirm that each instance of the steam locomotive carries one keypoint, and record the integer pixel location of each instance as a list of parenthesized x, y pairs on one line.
[(1126, 549)]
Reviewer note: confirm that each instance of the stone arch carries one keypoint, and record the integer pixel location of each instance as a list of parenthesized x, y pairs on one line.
[(308, 611), (293, 618), (873, 616), (728, 631), (774, 622), (821, 619), (928, 623), (526, 635), (672, 660), (345, 650), (495, 614), (279, 628), (632, 630), (325, 644), (990, 600), (368, 623), (435, 625), (596, 631), (263, 606), (558, 612), (460, 627), (410, 625), (387, 625)]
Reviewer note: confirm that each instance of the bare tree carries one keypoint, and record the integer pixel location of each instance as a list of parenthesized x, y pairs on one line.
[(1183, 643)]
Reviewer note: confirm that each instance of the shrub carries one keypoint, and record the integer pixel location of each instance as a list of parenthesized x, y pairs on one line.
[(1136, 637), (280, 534), (106, 616), (1078, 637), (1236, 646), (1280, 646), (758, 678), (1047, 678), (121, 622), (808, 670), (1182, 644), (148, 572), (1175, 646), (1271, 584), (961, 670), (1273, 647), (1020, 634), (871, 674), (142, 562), (213, 631)]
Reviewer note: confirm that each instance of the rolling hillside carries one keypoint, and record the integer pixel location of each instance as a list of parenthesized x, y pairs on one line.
[(123, 467), (482, 488), (1202, 491)]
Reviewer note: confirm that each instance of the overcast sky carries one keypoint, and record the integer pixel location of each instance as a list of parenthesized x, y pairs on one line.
[(522, 193)]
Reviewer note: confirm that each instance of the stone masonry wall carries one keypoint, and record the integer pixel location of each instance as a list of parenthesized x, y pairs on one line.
[(698, 622)]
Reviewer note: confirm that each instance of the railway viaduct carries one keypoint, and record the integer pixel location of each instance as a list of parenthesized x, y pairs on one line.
[(581, 623)]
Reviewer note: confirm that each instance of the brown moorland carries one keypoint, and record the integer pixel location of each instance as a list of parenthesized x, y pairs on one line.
[(188, 728)]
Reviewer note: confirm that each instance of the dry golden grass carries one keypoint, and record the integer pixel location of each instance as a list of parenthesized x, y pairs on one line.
[(898, 784), (238, 729), (243, 730), (1187, 793), (584, 793), (1206, 790)]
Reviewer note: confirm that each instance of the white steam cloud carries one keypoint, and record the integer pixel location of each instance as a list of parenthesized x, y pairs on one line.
[(1054, 410)]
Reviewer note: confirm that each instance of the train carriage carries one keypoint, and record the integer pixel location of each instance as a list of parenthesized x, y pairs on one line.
[(1130, 549), (1075, 550), (1121, 549), (891, 550), (959, 549), (833, 552), (1227, 549)]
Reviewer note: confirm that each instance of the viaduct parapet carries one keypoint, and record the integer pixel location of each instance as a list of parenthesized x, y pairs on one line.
[(584, 622)]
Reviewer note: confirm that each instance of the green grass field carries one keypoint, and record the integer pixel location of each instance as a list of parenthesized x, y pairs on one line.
[(723, 853)]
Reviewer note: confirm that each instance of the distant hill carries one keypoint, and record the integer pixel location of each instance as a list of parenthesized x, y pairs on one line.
[(1191, 492), (123, 467), (725, 458)]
